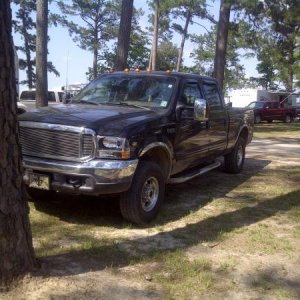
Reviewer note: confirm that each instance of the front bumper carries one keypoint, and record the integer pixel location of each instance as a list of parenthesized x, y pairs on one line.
[(95, 177)]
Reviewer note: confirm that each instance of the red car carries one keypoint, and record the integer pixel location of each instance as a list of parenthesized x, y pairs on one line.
[(271, 110)]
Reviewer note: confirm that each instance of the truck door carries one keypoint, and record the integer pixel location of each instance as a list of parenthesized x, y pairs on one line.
[(217, 118), (191, 138)]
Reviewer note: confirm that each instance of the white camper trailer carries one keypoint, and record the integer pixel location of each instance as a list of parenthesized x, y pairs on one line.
[(242, 97)]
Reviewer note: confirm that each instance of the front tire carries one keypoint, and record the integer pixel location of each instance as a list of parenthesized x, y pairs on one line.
[(141, 203), (234, 161)]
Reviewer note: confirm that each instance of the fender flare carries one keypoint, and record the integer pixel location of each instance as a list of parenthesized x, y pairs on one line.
[(160, 145)]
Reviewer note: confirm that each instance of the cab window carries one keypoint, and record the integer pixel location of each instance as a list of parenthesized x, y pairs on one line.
[(191, 92), (212, 95)]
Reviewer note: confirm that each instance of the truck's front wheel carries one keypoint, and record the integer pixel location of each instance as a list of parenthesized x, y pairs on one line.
[(234, 161), (140, 204)]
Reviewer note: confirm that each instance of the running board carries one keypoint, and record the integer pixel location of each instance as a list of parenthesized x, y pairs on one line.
[(194, 174)]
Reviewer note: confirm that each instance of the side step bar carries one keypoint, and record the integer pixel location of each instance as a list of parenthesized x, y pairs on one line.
[(189, 176)]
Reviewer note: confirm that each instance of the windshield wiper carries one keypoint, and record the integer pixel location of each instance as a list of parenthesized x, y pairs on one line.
[(133, 105), (86, 102)]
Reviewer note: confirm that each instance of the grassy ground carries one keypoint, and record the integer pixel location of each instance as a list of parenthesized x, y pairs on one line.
[(218, 236), (277, 129)]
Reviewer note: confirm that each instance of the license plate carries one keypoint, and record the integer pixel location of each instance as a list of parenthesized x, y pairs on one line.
[(39, 181)]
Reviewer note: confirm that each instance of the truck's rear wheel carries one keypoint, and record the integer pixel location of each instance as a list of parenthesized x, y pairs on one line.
[(234, 161), (140, 204)]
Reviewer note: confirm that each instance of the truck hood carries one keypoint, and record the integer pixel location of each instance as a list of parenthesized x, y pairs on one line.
[(103, 119)]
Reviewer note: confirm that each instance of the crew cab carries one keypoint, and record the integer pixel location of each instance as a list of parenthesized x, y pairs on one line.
[(131, 133), (27, 100), (271, 110)]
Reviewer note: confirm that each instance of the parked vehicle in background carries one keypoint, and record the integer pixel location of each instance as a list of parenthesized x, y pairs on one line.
[(27, 100), (270, 111), (131, 133), (243, 97)]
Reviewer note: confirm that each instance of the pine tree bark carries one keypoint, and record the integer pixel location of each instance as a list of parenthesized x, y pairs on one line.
[(16, 251), (41, 53), (221, 44), (183, 38), (153, 54), (29, 64), (124, 35)]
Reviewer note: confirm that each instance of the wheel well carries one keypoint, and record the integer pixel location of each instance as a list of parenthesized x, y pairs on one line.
[(244, 134), (160, 157)]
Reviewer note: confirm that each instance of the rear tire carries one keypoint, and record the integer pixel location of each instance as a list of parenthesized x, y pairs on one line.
[(234, 161), (141, 203), (257, 119), (287, 119)]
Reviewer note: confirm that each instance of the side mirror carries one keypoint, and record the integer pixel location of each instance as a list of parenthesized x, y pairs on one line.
[(200, 110)]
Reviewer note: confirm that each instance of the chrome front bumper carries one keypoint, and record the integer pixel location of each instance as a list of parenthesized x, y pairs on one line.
[(95, 177)]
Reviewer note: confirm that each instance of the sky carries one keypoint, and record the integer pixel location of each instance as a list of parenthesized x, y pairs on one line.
[(72, 62)]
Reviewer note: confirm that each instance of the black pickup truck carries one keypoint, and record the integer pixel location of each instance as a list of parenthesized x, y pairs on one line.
[(131, 133)]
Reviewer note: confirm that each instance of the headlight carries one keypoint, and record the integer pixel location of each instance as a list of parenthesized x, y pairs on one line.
[(113, 147)]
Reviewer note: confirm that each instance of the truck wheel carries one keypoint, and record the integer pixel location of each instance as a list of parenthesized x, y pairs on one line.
[(140, 204), (257, 119), (287, 119), (234, 161)]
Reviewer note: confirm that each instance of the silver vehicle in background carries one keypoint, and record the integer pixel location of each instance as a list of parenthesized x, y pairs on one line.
[(27, 100)]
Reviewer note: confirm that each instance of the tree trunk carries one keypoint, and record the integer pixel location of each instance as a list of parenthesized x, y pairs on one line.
[(16, 251), (221, 44), (41, 53), (183, 38), (124, 35), (29, 71), (95, 63), (153, 54)]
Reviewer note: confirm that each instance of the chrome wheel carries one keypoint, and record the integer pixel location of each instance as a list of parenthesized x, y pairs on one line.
[(149, 195)]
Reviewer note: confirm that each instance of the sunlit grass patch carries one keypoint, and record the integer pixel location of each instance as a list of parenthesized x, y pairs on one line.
[(261, 239), (182, 277), (277, 129)]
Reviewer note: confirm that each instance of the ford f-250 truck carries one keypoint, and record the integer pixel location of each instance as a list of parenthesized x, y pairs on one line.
[(131, 133)]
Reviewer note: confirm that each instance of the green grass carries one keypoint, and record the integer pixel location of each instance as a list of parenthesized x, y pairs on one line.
[(183, 278), (262, 240), (277, 130)]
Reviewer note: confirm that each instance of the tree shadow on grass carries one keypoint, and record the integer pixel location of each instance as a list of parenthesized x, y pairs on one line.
[(209, 229), (273, 279), (180, 199)]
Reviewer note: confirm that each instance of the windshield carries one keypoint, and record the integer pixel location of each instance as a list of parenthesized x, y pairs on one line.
[(140, 91), (256, 105)]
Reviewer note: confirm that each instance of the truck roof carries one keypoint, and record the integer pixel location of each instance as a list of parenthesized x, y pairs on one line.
[(162, 73)]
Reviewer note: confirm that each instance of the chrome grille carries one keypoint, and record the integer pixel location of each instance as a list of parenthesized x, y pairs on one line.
[(57, 142), (88, 145)]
